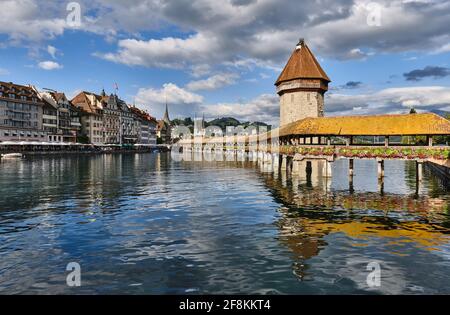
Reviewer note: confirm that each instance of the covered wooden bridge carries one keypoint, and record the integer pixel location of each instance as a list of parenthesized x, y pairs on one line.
[(381, 137)]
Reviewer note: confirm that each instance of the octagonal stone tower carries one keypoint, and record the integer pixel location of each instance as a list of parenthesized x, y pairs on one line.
[(301, 86)]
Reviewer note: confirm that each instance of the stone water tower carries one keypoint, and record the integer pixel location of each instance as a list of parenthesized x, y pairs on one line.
[(301, 86)]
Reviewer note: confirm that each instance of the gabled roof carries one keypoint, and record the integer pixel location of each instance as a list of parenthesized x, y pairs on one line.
[(302, 65), (19, 90), (58, 96), (48, 99), (376, 125), (88, 102)]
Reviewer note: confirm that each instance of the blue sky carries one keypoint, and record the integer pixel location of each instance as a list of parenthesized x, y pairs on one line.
[(222, 60)]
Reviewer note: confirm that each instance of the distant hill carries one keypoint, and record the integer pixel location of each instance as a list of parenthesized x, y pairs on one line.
[(230, 121), (224, 122), (442, 113), (219, 122)]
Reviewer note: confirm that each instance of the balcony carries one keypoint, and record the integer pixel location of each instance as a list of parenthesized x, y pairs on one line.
[(16, 118)]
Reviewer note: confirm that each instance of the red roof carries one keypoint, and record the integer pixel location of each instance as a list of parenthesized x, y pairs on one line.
[(302, 65)]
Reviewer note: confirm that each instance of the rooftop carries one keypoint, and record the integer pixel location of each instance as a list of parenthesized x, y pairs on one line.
[(375, 125), (302, 65)]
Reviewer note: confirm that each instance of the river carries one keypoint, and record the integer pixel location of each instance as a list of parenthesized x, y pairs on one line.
[(146, 224)]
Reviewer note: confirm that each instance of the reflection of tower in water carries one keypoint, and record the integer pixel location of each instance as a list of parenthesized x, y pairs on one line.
[(311, 212)]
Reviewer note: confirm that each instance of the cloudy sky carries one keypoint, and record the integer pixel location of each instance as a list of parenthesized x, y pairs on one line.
[(221, 58)]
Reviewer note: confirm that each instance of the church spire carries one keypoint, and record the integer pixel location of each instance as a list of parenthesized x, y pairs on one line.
[(166, 115)]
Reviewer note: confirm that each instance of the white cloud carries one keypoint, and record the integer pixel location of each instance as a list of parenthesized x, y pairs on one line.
[(445, 48), (237, 33), (52, 51), (49, 65), (200, 70), (4, 71), (264, 108), (180, 101), (168, 52), (213, 83), (262, 31), (30, 20), (392, 100)]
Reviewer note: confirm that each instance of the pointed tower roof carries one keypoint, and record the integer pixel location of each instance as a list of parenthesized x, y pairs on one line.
[(302, 65), (166, 115)]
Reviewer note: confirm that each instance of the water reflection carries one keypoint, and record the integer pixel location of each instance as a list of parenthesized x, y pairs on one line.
[(143, 223), (401, 220)]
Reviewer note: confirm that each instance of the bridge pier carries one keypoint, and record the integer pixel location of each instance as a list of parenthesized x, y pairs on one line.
[(254, 156), (260, 156), (351, 167), (289, 163), (283, 165), (276, 162), (380, 168), (351, 187), (268, 163), (419, 171), (381, 185), (308, 167), (296, 167), (327, 169)]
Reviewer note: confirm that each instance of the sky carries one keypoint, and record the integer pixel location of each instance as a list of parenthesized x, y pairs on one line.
[(221, 58)]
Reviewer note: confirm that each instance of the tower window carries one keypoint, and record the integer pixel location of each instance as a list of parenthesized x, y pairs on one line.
[(308, 97), (292, 97)]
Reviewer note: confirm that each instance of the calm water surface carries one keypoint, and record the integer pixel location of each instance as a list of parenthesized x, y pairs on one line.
[(143, 223)]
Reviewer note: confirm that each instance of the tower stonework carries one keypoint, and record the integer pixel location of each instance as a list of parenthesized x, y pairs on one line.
[(301, 86)]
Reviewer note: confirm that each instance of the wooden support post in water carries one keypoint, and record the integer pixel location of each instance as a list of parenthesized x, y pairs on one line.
[(380, 168), (350, 185), (276, 162), (308, 173), (419, 171), (328, 169), (351, 167), (295, 167), (283, 162), (289, 161), (308, 166), (381, 185)]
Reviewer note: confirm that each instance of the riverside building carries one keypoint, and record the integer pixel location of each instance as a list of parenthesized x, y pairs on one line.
[(61, 119), (21, 113)]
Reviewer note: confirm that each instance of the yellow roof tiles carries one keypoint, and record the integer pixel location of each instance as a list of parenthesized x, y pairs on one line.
[(376, 125)]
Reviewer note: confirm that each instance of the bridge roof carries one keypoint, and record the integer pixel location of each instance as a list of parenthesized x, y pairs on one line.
[(375, 125)]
